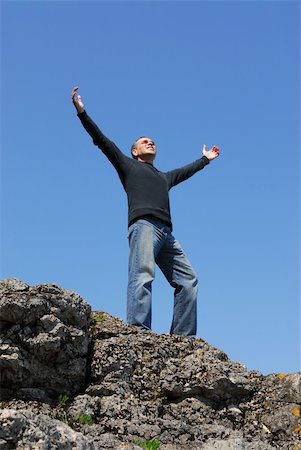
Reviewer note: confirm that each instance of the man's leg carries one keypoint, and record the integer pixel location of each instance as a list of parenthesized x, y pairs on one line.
[(180, 274), (145, 241)]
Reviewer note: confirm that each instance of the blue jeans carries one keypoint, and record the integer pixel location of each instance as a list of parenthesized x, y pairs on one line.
[(151, 242)]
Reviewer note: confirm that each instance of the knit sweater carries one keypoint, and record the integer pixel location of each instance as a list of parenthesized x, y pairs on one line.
[(146, 187)]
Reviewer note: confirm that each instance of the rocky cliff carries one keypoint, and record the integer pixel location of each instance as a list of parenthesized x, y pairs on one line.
[(72, 379)]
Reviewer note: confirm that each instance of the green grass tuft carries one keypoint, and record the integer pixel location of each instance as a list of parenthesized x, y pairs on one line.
[(97, 318), (148, 445), (62, 399), (85, 419)]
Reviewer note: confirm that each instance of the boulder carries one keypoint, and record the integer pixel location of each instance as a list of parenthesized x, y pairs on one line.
[(44, 340)]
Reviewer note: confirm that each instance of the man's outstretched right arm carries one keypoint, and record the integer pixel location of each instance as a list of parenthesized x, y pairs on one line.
[(108, 147)]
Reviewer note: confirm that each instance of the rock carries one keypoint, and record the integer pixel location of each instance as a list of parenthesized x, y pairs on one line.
[(125, 385), (43, 340), (84, 405), (26, 430), (235, 444)]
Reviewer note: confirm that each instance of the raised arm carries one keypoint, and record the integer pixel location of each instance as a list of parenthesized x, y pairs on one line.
[(176, 176), (108, 147)]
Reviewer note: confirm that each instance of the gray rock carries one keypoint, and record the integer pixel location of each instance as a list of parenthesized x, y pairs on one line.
[(235, 444), (43, 340), (84, 405), (126, 384), (25, 430)]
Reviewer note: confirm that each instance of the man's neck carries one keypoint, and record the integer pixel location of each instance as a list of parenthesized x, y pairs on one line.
[(146, 160)]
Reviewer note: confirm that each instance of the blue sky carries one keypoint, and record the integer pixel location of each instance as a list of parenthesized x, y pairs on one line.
[(184, 73)]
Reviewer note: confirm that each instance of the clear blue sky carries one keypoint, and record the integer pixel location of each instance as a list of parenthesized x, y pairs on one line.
[(185, 74)]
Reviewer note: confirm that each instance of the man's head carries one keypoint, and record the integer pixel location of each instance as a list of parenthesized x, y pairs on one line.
[(144, 149)]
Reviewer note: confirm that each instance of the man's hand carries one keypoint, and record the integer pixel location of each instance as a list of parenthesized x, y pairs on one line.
[(212, 153), (77, 101)]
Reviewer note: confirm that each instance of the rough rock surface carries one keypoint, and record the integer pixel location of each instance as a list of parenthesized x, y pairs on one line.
[(133, 386), (44, 340)]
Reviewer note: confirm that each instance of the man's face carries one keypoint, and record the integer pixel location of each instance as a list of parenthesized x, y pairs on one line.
[(145, 149)]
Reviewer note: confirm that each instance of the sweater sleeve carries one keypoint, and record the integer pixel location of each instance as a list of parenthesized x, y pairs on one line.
[(113, 153), (176, 176)]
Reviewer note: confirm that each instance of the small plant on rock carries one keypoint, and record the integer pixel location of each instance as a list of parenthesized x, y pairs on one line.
[(62, 399), (97, 318), (63, 416), (148, 445), (60, 413), (85, 419)]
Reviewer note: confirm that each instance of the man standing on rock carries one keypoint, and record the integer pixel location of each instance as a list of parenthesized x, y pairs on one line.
[(150, 229)]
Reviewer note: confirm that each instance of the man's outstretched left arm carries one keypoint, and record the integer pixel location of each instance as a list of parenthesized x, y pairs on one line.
[(176, 176)]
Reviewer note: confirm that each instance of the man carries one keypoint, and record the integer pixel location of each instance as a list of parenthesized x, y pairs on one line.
[(150, 228)]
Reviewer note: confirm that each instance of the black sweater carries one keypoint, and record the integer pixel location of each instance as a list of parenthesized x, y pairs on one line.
[(146, 187)]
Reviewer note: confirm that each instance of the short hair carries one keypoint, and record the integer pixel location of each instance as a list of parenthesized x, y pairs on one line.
[(134, 145)]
